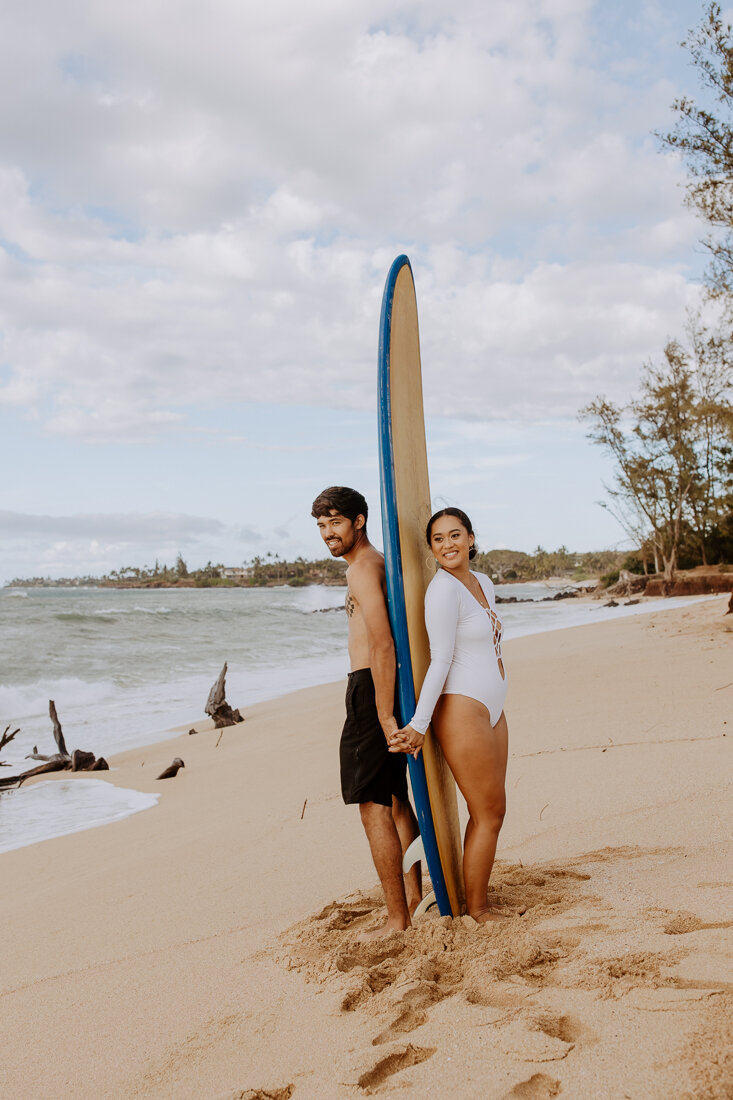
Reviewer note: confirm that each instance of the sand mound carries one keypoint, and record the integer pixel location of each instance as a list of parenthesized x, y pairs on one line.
[(439, 957), (545, 982)]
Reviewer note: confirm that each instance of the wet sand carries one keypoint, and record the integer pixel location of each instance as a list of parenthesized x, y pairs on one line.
[(208, 947)]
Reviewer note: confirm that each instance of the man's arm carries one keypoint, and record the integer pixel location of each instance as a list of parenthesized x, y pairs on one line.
[(365, 585)]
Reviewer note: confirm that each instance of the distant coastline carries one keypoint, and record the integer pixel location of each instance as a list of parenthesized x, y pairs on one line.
[(503, 566), (606, 572)]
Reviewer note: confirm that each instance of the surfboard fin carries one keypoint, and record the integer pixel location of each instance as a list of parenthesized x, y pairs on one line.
[(427, 903), (413, 855)]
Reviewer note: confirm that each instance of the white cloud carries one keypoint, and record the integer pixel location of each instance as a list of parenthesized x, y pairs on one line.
[(152, 526), (205, 212), (93, 544)]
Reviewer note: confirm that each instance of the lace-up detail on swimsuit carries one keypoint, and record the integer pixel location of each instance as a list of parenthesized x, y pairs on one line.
[(496, 631)]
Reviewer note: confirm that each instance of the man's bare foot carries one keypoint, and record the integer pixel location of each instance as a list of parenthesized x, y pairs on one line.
[(483, 916), (379, 933)]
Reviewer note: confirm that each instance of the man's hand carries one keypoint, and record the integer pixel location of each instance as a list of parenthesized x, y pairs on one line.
[(390, 727)]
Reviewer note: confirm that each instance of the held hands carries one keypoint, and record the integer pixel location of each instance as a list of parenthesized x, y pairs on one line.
[(406, 740)]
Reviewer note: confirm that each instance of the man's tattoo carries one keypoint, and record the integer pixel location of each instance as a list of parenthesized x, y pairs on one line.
[(350, 604)]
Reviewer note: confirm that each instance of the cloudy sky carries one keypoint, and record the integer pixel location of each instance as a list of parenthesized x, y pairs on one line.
[(199, 204)]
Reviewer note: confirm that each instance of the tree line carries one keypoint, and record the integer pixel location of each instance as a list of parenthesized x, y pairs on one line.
[(672, 444), (260, 571)]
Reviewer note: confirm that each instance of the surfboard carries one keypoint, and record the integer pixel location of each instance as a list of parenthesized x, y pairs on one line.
[(405, 495)]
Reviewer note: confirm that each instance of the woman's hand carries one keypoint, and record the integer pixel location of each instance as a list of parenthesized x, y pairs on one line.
[(407, 740)]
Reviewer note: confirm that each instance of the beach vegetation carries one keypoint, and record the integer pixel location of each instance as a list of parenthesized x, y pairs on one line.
[(506, 566), (672, 447), (635, 563)]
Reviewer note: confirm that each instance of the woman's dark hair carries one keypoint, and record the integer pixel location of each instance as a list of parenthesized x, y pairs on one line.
[(347, 502), (461, 517)]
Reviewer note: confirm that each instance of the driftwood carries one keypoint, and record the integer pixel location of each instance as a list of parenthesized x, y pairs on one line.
[(55, 763), (82, 761), (172, 769), (58, 734), (6, 737), (79, 760), (217, 706)]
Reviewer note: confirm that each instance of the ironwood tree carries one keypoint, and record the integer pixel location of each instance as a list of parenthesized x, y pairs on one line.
[(673, 448), (703, 134)]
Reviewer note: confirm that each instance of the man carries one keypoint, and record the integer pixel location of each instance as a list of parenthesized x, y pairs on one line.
[(371, 776)]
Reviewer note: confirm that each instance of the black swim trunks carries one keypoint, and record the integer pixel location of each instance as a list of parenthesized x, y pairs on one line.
[(369, 772)]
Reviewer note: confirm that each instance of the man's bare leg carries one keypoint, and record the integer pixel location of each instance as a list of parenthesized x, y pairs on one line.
[(407, 828), (384, 841)]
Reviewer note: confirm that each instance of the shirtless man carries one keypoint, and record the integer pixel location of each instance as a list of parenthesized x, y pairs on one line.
[(371, 776)]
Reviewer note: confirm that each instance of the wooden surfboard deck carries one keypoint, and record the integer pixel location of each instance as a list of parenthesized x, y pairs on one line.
[(406, 509)]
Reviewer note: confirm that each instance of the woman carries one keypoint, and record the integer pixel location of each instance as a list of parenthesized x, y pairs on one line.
[(463, 696)]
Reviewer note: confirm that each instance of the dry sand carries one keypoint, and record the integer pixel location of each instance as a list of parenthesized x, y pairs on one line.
[(207, 948)]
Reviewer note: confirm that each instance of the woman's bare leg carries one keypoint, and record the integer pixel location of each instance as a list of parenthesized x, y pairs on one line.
[(476, 753)]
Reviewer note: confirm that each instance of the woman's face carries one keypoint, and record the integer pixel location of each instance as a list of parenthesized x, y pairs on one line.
[(450, 543)]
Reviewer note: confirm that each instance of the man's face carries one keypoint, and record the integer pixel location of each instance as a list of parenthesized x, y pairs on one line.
[(338, 532)]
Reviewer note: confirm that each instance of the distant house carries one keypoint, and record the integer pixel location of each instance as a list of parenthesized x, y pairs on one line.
[(235, 572)]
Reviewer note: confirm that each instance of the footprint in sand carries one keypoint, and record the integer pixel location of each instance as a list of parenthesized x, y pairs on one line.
[(408, 1020), (371, 952), (568, 1029), (397, 1060), (682, 923), (538, 1087)]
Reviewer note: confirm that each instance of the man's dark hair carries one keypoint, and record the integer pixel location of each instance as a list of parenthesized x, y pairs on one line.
[(462, 518), (347, 502)]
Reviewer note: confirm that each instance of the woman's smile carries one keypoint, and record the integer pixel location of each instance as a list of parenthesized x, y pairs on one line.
[(451, 544)]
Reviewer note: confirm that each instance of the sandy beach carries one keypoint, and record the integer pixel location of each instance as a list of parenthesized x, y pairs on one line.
[(207, 948)]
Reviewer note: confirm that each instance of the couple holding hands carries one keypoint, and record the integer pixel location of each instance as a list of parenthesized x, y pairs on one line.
[(462, 697)]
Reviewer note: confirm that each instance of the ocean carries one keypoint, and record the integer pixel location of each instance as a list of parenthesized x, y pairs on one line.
[(125, 666)]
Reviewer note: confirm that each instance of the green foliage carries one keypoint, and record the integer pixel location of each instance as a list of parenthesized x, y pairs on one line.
[(704, 136), (633, 563), (514, 565), (610, 578), (673, 448)]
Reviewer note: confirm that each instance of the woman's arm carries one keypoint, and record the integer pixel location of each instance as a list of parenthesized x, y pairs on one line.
[(441, 619)]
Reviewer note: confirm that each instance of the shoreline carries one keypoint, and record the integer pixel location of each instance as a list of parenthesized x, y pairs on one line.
[(91, 802), (221, 927)]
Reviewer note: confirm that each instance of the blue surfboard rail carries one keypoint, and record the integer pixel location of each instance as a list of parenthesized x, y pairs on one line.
[(396, 591)]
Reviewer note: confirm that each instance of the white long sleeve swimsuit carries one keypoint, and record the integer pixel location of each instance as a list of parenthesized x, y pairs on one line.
[(465, 648)]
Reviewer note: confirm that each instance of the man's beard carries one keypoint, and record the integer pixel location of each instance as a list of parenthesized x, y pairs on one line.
[(341, 547)]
